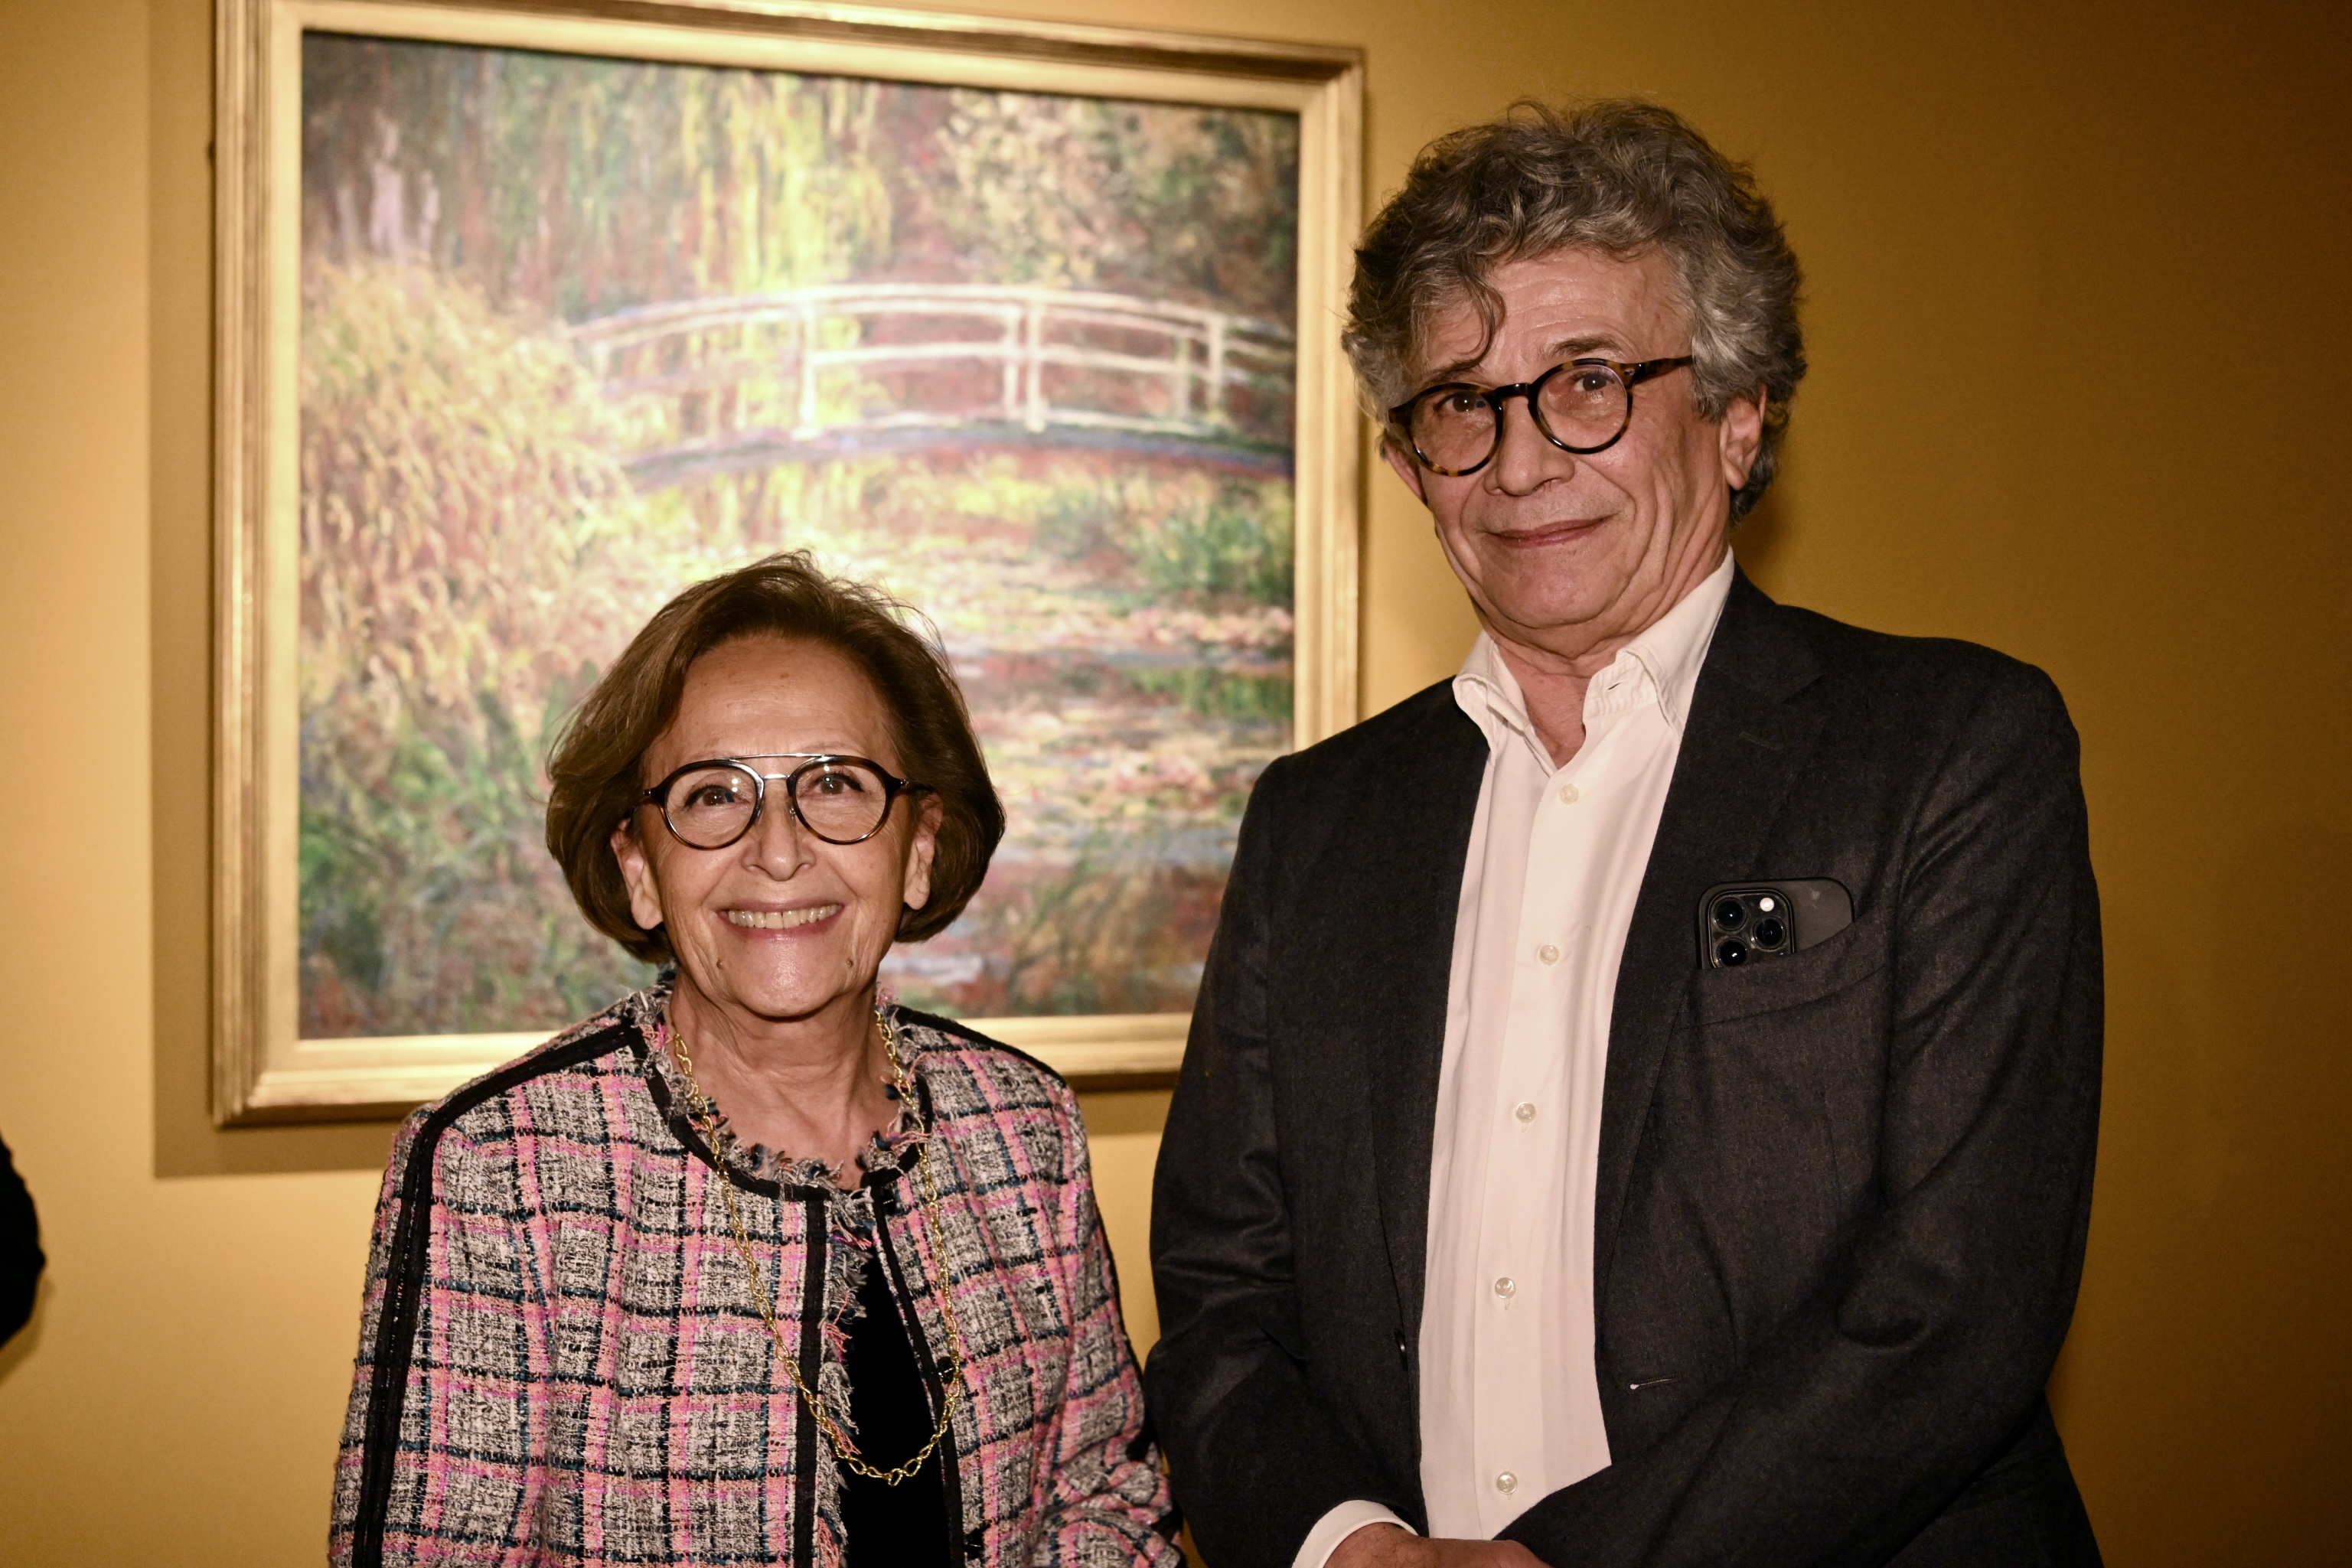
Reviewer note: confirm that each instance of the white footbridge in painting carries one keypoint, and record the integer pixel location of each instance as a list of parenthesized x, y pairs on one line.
[(733, 382)]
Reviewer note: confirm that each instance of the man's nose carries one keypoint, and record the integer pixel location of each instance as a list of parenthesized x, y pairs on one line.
[(1524, 459)]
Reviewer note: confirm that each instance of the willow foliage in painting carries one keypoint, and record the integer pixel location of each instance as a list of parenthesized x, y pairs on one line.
[(491, 504)]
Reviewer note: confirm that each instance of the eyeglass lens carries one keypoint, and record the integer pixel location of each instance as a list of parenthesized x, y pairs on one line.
[(1584, 406), (839, 802)]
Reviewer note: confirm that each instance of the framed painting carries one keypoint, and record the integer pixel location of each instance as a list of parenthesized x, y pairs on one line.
[(532, 314)]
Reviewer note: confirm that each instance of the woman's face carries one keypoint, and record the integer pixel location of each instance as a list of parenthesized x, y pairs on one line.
[(778, 926)]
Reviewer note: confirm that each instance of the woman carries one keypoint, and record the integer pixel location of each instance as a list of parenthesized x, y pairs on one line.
[(887, 1332)]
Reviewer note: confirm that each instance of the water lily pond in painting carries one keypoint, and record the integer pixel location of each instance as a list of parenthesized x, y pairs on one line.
[(577, 332)]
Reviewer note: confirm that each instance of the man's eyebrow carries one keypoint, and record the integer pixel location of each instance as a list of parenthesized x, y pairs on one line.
[(1452, 371), (1559, 352)]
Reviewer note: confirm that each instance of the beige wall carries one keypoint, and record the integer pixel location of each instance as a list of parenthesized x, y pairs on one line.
[(2079, 321)]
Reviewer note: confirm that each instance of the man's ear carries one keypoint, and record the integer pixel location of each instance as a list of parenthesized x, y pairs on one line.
[(920, 852), (1741, 436), (1406, 468), (637, 875)]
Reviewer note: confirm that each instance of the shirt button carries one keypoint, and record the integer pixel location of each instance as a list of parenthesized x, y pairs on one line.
[(1506, 1286), (1548, 953), (1525, 1110), (1570, 795), (1506, 1483)]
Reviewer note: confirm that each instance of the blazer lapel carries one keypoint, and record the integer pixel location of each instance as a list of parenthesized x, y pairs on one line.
[(1742, 748), (1402, 900)]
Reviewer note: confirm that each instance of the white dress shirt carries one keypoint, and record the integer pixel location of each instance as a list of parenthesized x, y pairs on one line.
[(1510, 1402)]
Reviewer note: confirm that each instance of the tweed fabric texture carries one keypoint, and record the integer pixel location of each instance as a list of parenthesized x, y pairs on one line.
[(565, 1332)]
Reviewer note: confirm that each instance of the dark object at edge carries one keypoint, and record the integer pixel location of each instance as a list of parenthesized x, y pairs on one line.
[(20, 1250)]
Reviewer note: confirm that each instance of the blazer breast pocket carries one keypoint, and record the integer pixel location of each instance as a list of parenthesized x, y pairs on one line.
[(1764, 1126), (1846, 960)]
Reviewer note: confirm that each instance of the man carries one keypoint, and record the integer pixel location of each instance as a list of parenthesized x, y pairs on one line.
[(1498, 1219)]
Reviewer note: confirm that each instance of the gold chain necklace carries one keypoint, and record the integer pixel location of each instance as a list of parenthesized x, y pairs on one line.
[(845, 1449)]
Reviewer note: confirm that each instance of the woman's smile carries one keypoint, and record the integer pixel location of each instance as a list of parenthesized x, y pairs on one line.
[(781, 919)]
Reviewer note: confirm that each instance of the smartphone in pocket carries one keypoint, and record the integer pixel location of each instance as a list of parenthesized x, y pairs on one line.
[(1743, 922)]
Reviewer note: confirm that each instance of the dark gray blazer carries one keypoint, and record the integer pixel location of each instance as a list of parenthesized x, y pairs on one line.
[(1843, 1195)]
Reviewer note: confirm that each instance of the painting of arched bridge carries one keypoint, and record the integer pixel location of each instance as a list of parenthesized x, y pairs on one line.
[(719, 384), (577, 330)]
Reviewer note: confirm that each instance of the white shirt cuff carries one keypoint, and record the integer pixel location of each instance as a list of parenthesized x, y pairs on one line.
[(1336, 1526)]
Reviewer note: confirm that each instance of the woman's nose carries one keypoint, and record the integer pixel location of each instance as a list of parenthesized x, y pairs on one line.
[(777, 841)]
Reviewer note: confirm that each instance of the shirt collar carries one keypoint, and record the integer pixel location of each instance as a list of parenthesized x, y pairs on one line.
[(1662, 665)]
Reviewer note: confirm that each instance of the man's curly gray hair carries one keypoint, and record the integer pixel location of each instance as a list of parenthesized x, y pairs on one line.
[(1617, 176)]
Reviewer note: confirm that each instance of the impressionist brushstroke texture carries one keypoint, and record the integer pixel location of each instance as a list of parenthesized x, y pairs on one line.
[(494, 493)]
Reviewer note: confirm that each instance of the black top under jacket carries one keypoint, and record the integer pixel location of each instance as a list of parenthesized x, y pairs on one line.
[(1842, 1196), (885, 1526)]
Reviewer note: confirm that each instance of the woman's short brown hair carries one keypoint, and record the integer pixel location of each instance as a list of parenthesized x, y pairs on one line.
[(597, 769)]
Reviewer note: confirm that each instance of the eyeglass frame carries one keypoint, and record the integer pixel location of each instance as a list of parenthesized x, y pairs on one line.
[(892, 788), (1633, 373)]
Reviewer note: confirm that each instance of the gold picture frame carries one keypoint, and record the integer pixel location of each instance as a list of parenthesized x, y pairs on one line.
[(263, 1070)]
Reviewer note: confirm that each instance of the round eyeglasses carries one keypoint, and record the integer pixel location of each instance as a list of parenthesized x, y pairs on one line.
[(1582, 406), (841, 800)]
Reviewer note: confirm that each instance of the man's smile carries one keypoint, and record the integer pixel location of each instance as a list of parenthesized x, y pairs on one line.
[(1543, 534)]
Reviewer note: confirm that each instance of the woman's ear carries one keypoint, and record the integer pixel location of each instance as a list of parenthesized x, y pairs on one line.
[(637, 875), (920, 852)]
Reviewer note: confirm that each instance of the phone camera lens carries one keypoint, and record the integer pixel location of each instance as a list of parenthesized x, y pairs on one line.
[(1728, 914), (1769, 933), (1731, 954)]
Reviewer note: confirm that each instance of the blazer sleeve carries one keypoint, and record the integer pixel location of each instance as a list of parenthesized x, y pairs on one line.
[(1256, 1454), (1884, 1396), (1104, 1499), (461, 1482)]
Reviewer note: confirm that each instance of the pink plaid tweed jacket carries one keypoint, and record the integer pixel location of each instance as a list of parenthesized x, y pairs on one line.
[(560, 1360)]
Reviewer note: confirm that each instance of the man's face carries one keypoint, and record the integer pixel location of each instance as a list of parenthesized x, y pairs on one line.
[(1565, 553)]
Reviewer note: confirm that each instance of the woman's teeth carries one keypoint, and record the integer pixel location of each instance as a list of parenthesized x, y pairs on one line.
[(781, 919)]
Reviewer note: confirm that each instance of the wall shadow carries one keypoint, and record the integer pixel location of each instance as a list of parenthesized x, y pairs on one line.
[(27, 1340), (2147, 1104), (2213, 1299), (2262, 1261), (1761, 537), (180, 636)]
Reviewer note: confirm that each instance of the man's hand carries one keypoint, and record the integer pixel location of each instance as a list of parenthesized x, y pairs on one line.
[(1386, 1546)]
